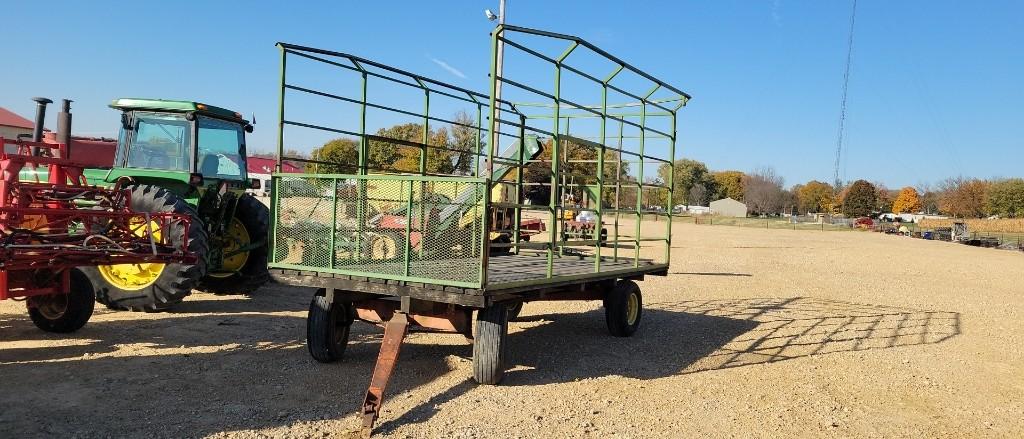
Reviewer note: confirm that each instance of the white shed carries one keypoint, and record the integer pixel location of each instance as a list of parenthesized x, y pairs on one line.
[(729, 207)]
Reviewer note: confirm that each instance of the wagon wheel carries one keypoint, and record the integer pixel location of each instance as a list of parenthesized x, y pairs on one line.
[(327, 327), (623, 308), (489, 344)]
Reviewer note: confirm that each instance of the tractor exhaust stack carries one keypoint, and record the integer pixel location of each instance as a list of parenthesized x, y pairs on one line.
[(64, 125), (37, 130)]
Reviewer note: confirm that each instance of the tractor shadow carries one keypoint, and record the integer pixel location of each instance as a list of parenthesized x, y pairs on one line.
[(221, 365)]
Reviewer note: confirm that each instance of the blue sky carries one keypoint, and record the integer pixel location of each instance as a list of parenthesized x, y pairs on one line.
[(935, 87)]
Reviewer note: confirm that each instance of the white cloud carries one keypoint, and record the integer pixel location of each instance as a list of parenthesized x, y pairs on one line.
[(447, 67)]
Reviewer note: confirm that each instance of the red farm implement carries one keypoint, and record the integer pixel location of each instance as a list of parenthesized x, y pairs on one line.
[(52, 221)]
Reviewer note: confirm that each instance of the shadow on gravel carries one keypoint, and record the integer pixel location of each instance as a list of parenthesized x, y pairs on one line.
[(708, 273), (248, 367), (696, 336)]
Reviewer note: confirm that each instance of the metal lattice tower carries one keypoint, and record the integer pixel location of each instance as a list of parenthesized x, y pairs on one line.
[(842, 106)]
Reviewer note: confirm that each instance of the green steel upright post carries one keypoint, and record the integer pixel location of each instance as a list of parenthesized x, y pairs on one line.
[(479, 134), (407, 245), (554, 199), (519, 182), (423, 167), (364, 144), (485, 214), (671, 190), (426, 131), (362, 165), (485, 241), (280, 154), (640, 184), (618, 191), (476, 173), (334, 220), (599, 222)]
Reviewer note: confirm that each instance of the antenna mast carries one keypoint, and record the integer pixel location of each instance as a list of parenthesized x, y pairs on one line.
[(842, 106)]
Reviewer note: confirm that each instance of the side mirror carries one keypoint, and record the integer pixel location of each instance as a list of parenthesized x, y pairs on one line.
[(254, 183), (126, 122), (248, 128)]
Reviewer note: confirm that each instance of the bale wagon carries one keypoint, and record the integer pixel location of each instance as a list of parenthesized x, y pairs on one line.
[(455, 248)]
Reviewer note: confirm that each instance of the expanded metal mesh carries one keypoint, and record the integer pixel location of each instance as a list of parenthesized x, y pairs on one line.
[(411, 228)]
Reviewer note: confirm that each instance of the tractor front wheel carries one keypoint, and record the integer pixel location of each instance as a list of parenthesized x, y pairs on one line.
[(244, 247), (153, 286)]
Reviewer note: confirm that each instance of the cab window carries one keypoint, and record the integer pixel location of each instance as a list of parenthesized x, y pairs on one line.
[(220, 149), (161, 142)]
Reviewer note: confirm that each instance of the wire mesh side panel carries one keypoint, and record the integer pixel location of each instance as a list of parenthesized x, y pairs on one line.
[(304, 222), (411, 228)]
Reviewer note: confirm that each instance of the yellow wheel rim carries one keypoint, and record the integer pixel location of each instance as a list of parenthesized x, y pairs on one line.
[(237, 237), (383, 247), (132, 277), (632, 309)]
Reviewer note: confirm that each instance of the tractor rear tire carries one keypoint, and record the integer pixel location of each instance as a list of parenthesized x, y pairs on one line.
[(489, 344), (64, 313), (255, 216), (175, 281)]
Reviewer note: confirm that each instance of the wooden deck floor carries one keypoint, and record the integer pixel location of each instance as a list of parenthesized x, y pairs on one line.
[(520, 268)]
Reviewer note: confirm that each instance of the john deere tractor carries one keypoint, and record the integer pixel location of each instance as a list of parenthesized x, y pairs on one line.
[(185, 157)]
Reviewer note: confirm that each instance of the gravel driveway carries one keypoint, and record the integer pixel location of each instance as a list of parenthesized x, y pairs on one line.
[(756, 333)]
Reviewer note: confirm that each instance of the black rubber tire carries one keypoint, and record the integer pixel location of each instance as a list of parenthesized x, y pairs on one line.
[(177, 280), (78, 307), (327, 327), (616, 308), (255, 216), (514, 309), (489, 344)]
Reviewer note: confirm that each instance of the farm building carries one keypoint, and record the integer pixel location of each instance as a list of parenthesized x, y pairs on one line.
[(12, 125), (260, 168), (729, 207), (692, 210)]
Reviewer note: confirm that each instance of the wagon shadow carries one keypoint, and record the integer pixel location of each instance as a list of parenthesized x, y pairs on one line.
[(254, 372), (687, 337), (694, 336)]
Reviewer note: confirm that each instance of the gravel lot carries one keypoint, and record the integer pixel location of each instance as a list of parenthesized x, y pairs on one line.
[(756, 333)]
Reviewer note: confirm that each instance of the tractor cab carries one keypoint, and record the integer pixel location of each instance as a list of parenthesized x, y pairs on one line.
[(181, 142)]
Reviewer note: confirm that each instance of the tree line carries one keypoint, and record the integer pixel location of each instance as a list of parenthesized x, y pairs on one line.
[(763, 190), (764, 193)]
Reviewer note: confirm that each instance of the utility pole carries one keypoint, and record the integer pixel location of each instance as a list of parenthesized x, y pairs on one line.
[(496, 114)]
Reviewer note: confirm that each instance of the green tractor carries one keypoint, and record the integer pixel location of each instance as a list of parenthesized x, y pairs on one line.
[(185, 157)]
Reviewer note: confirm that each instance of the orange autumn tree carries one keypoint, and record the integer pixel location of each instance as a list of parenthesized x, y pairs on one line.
[(907, 201)]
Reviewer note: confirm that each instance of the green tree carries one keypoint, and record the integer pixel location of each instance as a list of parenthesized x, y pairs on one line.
[(339, 156), (579, 168), (1006, 198), (815, 197), (728, 184), (860, 200), (465, 139), (688, 173), (883, 198)]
